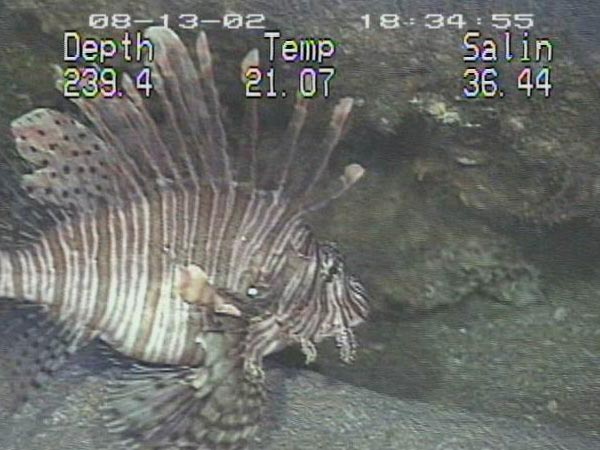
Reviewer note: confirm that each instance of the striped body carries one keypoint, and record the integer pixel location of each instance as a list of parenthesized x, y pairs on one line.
[(115, 272), (142, 228)]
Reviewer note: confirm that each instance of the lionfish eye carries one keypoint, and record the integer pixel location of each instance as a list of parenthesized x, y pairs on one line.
[(252, 292), (331, 262), (330, 273)]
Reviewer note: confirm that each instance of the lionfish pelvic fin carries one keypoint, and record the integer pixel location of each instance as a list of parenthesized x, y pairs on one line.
[(216, 407)]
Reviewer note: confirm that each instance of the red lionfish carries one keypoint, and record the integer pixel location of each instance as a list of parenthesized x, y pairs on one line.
[(161, 251)]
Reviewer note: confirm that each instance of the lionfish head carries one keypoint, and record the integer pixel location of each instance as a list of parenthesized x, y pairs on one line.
[(319, 298)]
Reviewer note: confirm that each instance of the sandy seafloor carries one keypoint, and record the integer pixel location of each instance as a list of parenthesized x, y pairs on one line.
[(307, 411)]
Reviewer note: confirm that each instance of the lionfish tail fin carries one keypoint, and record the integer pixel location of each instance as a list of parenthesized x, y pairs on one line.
[(42, 346), (206, 408), (22, 219)]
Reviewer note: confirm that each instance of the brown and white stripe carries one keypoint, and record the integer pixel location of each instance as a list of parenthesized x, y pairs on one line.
[(114, 270)]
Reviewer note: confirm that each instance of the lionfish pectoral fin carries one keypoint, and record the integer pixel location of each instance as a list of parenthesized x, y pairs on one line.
[(38, 347), (183, 407)]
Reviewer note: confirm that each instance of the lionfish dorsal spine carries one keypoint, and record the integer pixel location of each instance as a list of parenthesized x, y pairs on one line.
[(340, 115), (250, 119), (291, 140)]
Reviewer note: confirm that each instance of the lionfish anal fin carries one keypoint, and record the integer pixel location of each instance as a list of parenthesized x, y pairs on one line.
[(212, 408)]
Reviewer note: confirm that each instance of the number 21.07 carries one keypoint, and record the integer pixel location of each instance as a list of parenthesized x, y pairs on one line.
[(307, 82)]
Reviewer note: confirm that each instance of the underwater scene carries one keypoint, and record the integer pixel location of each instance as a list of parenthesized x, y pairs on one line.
[(299, 224)]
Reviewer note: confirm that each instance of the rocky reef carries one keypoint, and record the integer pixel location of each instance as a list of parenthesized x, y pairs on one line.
[(477, 268)]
